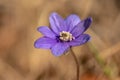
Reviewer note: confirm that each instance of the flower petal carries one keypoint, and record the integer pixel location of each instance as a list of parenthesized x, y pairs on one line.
[(46, 32), (83, 38), (72, 21), (81, 27), (45, 42), (87, 23), (59, 49), (56, 22)]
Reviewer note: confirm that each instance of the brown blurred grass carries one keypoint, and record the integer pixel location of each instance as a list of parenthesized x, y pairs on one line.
[(19, 19)]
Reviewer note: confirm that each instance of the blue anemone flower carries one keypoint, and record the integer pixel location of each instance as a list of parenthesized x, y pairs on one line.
[(63, 34)]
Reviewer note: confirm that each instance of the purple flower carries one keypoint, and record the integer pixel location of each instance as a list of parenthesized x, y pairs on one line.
[(63, 34)]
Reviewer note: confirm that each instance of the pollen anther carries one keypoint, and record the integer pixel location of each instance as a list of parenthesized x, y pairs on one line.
[(66, 36)]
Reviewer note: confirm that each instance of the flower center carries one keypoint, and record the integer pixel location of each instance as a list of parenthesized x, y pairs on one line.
[(66, 36)]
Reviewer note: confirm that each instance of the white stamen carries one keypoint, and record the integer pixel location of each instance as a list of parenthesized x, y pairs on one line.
[(66, 36)]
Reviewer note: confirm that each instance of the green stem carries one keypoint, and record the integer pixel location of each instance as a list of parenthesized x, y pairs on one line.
[(77, 64)]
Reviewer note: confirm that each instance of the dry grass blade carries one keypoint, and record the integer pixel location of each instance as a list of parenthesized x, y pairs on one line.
[(8, 73), (110, 51)]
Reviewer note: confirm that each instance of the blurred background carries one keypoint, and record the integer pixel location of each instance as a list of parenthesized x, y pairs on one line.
[(99, 59)]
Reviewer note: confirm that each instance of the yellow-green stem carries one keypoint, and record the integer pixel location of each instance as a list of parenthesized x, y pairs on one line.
[(77, 64)]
